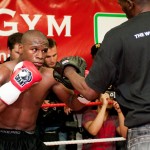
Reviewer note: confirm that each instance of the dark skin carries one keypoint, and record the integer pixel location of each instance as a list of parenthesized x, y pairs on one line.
[(133, 7), (22, 114)]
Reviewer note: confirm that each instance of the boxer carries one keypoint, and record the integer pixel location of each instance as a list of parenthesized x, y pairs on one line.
[(24, 86)]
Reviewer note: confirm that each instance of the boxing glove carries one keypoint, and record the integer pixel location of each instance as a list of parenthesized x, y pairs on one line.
[(75, 61), (25, 74)]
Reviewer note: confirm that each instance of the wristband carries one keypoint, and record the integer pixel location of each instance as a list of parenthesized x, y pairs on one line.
[(83, 100)]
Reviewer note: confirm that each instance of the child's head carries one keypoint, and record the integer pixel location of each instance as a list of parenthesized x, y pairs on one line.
[(94, 49), (105, 98)]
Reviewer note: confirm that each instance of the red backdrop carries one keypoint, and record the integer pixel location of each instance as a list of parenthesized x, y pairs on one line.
[(49, 16)]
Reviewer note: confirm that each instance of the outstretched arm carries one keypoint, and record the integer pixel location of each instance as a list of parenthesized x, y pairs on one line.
[(67, 96), (79, 83), (73, 68)]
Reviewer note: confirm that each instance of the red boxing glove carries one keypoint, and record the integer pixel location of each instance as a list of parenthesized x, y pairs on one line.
[(25, 75)]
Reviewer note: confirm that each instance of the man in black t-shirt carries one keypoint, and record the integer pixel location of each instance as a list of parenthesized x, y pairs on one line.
[(124, 62)]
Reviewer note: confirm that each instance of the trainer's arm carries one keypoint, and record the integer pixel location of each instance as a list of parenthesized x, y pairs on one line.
[(79, 84), (68, 97)]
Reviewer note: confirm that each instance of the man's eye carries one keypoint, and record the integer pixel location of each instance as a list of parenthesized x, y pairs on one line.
[(34, 49), (44, 51)]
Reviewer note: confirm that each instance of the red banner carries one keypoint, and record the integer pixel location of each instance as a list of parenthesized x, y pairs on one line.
[(69, 22)]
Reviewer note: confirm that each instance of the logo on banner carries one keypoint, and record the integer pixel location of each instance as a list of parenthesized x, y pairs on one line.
[(103, 22)]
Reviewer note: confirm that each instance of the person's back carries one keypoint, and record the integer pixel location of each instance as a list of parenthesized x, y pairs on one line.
[(134, 67)]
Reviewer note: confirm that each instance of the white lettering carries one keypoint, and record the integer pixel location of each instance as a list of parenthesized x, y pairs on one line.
[(8, 24), (147, 33), (139, 35), (52, 23), (30, 23)]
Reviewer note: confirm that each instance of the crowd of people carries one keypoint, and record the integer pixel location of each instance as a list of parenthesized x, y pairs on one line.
[(56, 123), (34, 77)]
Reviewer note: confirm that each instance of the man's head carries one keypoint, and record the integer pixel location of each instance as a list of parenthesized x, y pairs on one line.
[(133, 7), (13, 44), (94, 49), (34, 47), (51, 56)]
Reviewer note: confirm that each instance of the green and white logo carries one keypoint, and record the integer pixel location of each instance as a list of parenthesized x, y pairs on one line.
[(103, 22)]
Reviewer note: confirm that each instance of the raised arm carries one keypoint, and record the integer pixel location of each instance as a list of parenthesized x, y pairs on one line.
[(19, 79), (122, 129), (94, 126)]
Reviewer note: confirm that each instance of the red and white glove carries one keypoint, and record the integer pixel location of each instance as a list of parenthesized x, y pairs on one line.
[(24, 76)]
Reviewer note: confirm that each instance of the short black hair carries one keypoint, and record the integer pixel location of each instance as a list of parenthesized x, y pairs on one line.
[(95, 48), (13, 39), (51, 42)]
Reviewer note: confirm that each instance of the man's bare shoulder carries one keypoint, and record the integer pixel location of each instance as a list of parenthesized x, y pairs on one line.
[(46, 71), (6, 70), (9, 65)]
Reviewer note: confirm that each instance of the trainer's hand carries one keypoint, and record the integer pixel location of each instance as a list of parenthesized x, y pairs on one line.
[(76, 62), (24, 76)]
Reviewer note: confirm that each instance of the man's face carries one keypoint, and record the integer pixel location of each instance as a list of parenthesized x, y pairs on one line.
[(127, 7), (35, 50), (14, 53), (51, 57)]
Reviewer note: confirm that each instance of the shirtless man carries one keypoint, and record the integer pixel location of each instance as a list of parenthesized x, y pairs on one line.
[(24, 85)]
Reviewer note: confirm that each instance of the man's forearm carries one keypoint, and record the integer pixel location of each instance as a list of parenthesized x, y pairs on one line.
[(79, 84)]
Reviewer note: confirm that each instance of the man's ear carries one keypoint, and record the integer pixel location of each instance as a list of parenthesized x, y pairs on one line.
[(20, 48), (130, 4)]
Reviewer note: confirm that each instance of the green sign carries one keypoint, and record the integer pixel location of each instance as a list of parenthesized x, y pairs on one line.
[(103, 22)]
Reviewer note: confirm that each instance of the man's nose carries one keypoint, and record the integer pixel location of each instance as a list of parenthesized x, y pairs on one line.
[(40, 54)]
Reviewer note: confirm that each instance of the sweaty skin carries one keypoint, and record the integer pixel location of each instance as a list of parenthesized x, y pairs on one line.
[(22, 114)]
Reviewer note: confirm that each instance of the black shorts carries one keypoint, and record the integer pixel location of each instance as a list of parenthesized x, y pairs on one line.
[(20, 140)]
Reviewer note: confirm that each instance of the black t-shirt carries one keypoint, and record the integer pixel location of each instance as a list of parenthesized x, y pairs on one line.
[(124, 62)]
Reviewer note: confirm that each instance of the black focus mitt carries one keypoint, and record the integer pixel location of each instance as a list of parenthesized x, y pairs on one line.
[(75, 61), (63, 80)]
